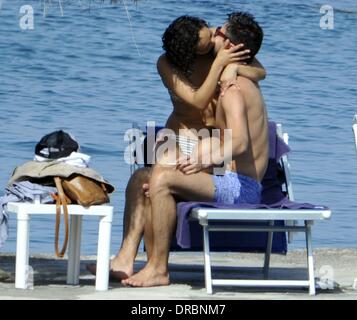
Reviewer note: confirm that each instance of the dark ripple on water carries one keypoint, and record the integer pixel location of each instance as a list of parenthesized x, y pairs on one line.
[(82, 73)]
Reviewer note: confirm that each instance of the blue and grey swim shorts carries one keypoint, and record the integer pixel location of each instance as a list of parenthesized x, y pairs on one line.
[(234, 188)]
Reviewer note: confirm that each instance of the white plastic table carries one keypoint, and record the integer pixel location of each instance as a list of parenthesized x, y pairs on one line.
[(76, 212)]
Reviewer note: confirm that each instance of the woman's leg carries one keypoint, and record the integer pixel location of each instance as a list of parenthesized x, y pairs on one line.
[(165, 183), (137, 208)]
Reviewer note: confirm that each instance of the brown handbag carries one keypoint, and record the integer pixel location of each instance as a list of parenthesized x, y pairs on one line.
[(85, 191), (75, 189)]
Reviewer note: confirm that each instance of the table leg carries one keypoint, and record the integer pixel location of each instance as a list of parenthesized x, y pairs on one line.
[(103, 252), (22, 250), (74, 250)]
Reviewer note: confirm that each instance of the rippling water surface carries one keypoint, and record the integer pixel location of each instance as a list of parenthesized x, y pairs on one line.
[(82, 72)]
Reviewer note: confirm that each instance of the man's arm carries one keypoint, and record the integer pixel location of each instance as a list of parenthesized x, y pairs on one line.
[(235, 113), (212, 153)]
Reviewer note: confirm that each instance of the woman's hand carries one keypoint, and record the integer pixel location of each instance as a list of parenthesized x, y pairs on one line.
[(189, 165), (229, 54), (146, 190)]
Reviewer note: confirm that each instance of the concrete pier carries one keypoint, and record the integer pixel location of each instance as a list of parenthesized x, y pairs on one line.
[(336, 265)]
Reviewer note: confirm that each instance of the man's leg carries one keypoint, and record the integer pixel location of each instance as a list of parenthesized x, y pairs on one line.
[(165, 183), (137, 207)]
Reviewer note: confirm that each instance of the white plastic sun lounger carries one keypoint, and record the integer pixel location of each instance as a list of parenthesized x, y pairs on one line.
[(205, 216)]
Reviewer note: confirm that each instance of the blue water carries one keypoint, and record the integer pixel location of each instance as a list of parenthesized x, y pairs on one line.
[(82, 72)]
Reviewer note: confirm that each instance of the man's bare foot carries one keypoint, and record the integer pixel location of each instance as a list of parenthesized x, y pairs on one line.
[(147, 277), (117, 271)]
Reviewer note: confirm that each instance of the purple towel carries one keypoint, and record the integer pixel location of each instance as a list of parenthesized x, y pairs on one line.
[(272, 195), (277, 146), (183, 235)]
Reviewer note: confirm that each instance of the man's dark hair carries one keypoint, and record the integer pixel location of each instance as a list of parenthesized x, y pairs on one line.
[(242, 28), (180, 41)]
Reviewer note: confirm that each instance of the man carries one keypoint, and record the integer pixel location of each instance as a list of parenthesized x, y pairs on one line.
[(241, 110)]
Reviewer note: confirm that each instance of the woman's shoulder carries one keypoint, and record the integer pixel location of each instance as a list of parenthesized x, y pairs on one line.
[(162, 61), (166, 69)]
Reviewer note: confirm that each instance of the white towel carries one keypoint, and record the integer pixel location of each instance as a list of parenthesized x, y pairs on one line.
[(75, 159)]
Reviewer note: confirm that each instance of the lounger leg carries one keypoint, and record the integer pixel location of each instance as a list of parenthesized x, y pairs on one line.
[(22, 249), (74, 250), (310, 258), (103, 253), (208, 276), (268, 252)]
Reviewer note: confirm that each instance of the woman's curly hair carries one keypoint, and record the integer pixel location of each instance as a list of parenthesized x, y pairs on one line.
[(180, 41)]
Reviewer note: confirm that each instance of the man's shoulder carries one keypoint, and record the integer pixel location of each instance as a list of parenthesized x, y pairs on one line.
[(244, 80), (247, 84)]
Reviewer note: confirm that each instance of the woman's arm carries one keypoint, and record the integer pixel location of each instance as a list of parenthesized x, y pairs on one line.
[(253, 71), (201, 97)]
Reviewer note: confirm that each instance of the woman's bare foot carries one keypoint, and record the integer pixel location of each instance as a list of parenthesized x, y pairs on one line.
[(118, 271), (121, 270), (148, 277)]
